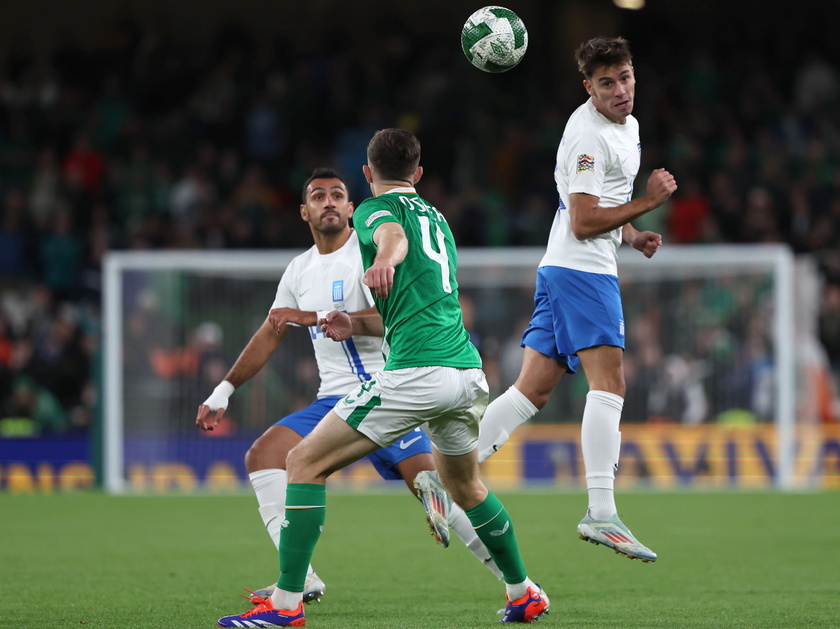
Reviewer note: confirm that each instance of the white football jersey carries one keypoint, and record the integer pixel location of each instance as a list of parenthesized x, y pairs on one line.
[(601, 158), (316, 282)]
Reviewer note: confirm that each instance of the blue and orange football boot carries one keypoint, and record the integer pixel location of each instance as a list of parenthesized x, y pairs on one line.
[(263, 614), (529, 608)]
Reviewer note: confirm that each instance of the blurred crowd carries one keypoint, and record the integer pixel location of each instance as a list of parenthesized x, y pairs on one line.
[(144, 143)]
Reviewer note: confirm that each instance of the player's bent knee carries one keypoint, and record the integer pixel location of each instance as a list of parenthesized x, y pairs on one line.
[(303, 468), (537, 392), (262, 457), (467, 495), (539, 398), (270, 449), (616, 386)]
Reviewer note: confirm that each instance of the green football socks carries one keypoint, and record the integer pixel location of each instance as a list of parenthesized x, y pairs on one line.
[(305, 515), (494, 527)]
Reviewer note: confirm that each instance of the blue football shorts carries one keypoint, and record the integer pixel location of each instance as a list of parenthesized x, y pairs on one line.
[(574, 310), (384, 460)]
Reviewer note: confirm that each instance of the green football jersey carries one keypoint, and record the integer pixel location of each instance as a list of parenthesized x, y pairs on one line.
[(422, 315)]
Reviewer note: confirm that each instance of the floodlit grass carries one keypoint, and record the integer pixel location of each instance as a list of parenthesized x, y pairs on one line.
[(727, 560)]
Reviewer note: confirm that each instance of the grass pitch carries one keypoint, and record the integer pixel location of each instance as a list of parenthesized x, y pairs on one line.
[(727, 560)]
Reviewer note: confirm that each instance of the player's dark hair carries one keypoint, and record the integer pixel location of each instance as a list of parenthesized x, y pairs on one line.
[(321, 173), (394, 154), (602, 52)]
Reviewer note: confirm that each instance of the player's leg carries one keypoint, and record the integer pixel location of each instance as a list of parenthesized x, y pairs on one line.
[(542, 368), (493, 525), (537, 379), (600, 436), (265, 462), (266, 465), (600, 336), (410, 458), (460, 523), (404, 460), (329, 447), (332, 445), (455, 434)]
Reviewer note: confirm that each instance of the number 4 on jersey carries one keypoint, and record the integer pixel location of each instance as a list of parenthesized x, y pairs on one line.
[(438, 255)]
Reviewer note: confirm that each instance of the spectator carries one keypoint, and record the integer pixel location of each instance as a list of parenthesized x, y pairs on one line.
[(36, 406), (60, 256), (6, 350), (13, 236), (689, 218), (46, 195), (86, 165)]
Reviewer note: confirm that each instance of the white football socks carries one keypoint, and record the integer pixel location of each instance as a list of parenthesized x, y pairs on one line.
[(504, 415), (270, 488), (460, 523), (600, 442)]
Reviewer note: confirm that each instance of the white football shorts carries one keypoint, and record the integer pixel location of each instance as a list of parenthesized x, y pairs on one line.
[(450, 402)]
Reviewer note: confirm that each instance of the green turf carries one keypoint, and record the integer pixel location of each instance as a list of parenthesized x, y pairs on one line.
[(727, 560)]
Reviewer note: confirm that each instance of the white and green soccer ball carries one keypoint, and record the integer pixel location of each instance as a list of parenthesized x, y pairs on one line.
[(494, 39)]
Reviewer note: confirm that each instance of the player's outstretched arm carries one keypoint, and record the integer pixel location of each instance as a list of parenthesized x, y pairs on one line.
[(280, 318), (256, 353), (340, 326)]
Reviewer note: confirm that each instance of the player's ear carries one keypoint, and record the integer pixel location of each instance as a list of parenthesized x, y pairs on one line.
[(418, 174), (303, 213), (368, 174), (587, 86), (350, 209)]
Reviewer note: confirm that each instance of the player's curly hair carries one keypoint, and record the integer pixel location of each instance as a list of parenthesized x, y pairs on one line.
[(394, 154), (321, 172), (602, 52)]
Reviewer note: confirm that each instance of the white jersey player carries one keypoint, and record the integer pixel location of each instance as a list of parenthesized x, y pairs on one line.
[(590, 139), (578, 318), (322, 282)]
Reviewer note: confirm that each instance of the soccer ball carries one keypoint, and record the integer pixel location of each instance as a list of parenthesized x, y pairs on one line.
[(494, 39)]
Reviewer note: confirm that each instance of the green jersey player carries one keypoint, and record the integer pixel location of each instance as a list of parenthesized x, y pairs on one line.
[(432, 377), (422, 316)]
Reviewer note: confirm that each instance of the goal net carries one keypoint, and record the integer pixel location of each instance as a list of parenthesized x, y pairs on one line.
[(711, 369)]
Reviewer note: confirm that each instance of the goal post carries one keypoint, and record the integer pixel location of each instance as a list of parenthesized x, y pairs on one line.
[(119, 265), (714, 391), (778, 260)]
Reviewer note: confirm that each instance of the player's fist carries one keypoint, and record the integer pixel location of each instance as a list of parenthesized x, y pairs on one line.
[(279, 317), (647, 242), (661, 185), (380, 280), (337, 325)]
